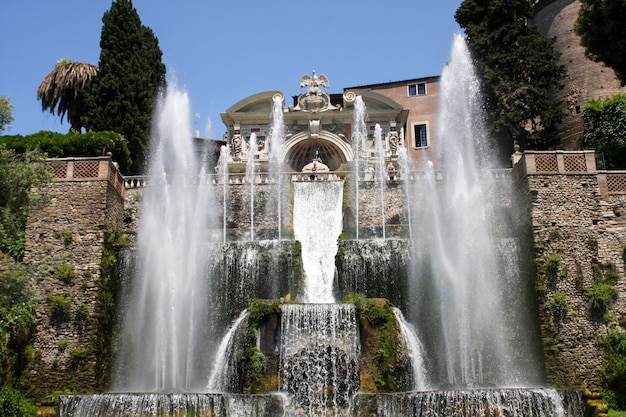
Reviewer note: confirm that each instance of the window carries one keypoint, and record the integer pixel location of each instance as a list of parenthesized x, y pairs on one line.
[(418, 89), (420, 135)]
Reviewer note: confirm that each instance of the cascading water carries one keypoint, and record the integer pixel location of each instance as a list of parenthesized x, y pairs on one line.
[(319, 357), (413, 347), (162, 343), (475, 338), (476, 402), (317, 225), (253, 148), (223, 372)]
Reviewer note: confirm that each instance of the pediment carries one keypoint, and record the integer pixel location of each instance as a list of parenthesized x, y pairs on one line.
[(373, 101), (260, 102)]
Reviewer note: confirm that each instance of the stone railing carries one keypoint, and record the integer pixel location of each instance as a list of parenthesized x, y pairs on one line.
[(570, 163), (140, 181), (556, 162), (612, 182), (87, 169)]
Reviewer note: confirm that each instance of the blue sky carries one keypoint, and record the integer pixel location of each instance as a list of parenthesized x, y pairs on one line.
[(224, 51)]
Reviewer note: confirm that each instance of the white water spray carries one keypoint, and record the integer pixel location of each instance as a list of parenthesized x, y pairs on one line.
[(222, 172), (277, 141), (163, 342), (359, 134), (253, 148), (474, 325), (381, 173)]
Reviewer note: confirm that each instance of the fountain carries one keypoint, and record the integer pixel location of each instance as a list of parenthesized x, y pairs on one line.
[(359, 134), (381, 176), (253, 148), (470, 306), (277, 140), (463, 344), (222, 171), (166, 352)]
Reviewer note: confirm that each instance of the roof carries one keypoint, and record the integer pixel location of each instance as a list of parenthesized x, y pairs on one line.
[(412, 80)]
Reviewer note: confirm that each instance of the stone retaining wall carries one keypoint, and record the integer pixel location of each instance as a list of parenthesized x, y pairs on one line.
[(578, 233), (65, 237)]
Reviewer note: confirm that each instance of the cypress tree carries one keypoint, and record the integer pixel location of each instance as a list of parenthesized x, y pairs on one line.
[(122, 95), (518, 67)]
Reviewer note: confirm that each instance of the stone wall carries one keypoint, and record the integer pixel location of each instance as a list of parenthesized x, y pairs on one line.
[(578, 236), (238, 213), (65, 236)]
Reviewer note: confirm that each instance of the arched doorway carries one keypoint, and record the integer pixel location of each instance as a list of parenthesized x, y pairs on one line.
[(300, 149)]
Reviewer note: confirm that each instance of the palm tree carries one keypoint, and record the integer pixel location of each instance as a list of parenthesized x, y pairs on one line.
[(62, 90)]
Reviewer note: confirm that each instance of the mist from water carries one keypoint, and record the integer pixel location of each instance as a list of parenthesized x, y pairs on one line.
[(471, 310), (163, 342)]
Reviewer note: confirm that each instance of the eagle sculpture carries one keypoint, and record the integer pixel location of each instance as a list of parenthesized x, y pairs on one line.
[(314, 82)]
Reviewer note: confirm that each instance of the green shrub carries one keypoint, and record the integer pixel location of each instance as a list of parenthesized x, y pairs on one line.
[(66, 235), (258, 365), (60, 307), (65, 272), (558, 306), (81, 312), (19, 175), (13, 404), (603, 292), (62, 345), (614, 369), (78, 357), (59, 145), (605, 129), (18, 324)]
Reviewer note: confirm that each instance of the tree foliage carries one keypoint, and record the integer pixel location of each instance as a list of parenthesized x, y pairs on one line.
[(17, 324), (19, 173), (123, 94), (605, 129), (59, 145), (518, 67), (6, 113), (600, 25), (61, 91)]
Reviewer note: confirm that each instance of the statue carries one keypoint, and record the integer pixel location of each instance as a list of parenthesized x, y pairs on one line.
[(314, 82), (236, 146), (314, 100), (394, 141)]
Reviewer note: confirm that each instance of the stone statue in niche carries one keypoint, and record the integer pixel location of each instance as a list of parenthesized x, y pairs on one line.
[(236, 146), (394, 142)]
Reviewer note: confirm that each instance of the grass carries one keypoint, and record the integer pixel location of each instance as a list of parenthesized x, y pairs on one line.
[(617, 413)]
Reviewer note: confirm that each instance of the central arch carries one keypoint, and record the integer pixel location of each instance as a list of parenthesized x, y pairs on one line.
[(301, 148)]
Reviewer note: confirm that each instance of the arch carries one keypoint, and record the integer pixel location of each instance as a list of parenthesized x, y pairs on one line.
[(333, 150)]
